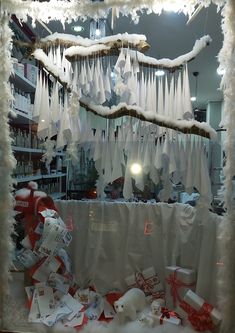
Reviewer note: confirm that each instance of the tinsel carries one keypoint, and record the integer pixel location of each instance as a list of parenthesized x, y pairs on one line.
[(7, 161), (227, 271), (66, 11)]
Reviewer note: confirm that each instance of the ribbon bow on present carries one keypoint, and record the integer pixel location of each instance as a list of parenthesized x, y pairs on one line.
[(201, 319), (175, 285), (165, 313)]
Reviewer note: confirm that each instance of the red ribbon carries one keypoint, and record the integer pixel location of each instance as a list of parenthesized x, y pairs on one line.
[(175, 285), (167, 314), (147, 285), (201, 319)]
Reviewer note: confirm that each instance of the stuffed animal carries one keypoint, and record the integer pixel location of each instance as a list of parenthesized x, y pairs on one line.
[(157, 305), (130, 303)]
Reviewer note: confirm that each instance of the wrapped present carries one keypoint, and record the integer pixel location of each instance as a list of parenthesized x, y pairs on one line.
[(202, 315), (168, 316), (178, 281), (148, 281)]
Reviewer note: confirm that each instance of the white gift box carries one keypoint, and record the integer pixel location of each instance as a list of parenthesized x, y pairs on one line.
[(148, 281), (178, 281), (196, 302)]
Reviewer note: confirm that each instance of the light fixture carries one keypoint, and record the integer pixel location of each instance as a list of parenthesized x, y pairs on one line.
[(97, 28), (159, 72), (220, 71), (194, 98), (43, 120), (136, 168), (77, 28)]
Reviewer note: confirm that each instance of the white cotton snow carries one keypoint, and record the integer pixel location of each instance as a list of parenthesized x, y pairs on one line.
[(85, 51), (128, 38), (164, 62)]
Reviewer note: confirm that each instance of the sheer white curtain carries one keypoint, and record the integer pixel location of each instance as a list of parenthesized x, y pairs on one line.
[(109, 242)]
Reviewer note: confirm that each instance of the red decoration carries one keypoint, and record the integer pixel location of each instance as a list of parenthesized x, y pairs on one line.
[(165, 313), (201, 319), (175, 285), (146, 284)]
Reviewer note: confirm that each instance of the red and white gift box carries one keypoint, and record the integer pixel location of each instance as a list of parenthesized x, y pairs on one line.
[(178, 281), (170, 317), (202, 315), (148, 281)]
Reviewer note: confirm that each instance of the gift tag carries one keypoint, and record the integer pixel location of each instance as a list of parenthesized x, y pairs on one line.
[(108, 310), (59, 282), (82, 296), (48, 213), (96, 307), (45, 300), (34, 313), (51, 264), (28, 258), (76, 321), (72, 304), (60, 312)]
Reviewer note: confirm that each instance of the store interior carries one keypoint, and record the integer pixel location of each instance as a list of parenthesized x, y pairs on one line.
[(118, 136)]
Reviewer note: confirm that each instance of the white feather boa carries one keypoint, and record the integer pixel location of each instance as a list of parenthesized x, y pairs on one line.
[(227, 272), (7, 160)]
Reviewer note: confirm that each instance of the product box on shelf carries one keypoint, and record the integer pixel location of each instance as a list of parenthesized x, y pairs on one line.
[(19, 68), (30, 72), (178, 281), (202, 315)]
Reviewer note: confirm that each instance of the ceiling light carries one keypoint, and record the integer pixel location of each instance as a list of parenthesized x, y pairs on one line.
[(136, 168), (159, 72), (193, 99), (220, 71), (77, 28), (97, 32), (43, 120)]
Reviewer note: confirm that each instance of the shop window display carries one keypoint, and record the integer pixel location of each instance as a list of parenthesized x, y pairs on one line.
[(94, 258)]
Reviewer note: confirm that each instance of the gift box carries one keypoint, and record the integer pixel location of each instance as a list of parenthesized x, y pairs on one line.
[(148, 281), (178, 281), (170, 317), (202, 315)]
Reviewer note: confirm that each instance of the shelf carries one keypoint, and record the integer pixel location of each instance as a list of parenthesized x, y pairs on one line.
[(54, 175), (28, 179), (57, 195), (27, 150), (37, 177), (22, 83)]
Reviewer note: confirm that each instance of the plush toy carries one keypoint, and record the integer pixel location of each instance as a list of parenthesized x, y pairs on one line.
[(130, 303), (156, 306)]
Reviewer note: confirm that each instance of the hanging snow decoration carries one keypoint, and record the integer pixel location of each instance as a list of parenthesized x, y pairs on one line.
[(66, 11)]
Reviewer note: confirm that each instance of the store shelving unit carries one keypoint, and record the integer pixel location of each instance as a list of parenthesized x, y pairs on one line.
[(30, 154)]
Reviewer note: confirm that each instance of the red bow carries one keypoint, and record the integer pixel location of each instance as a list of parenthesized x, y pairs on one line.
[(147, 285), (201, 319), (175, 285), (167, 314)]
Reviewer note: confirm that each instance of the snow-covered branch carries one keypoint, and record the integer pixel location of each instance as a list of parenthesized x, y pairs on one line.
[(199, 45), (122, 109)]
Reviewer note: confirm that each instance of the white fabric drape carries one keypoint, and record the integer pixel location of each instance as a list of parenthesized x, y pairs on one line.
[(109, 242)]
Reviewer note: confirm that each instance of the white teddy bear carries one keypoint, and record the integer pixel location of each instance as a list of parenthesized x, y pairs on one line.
[(130, 303)]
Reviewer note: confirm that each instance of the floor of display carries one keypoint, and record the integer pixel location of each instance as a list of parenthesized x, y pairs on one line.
[(16, 318)]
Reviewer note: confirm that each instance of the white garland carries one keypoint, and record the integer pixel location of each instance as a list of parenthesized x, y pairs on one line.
[(66, 11), (7, 161), (227, 272)]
